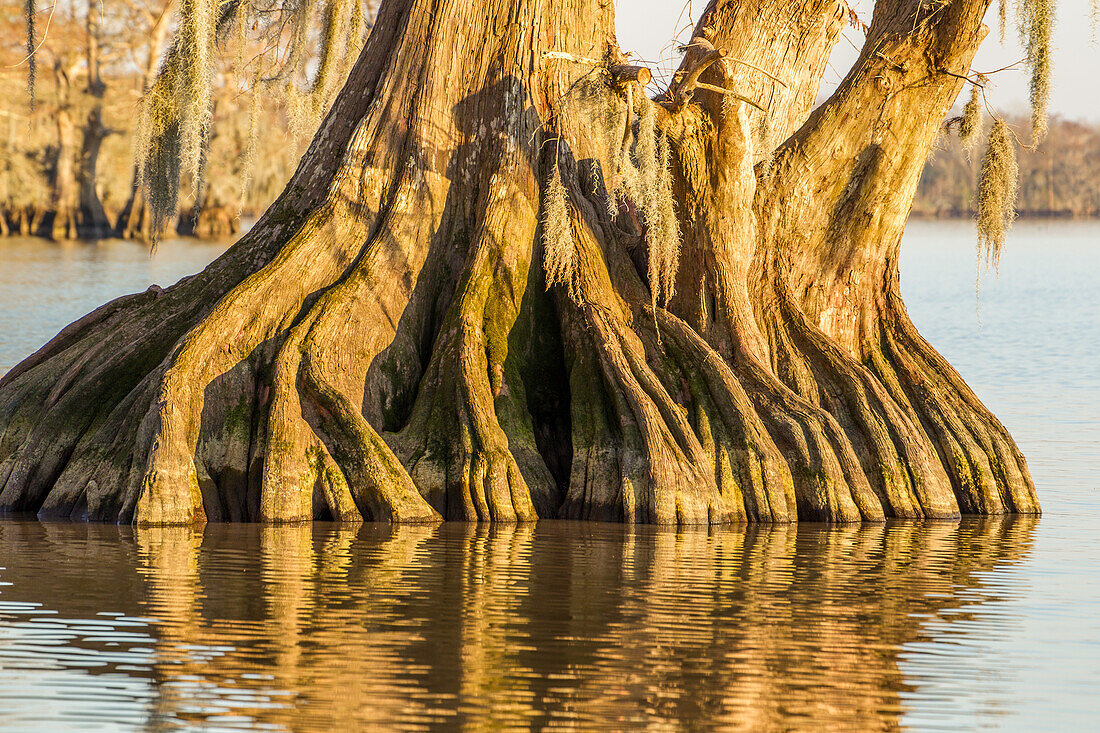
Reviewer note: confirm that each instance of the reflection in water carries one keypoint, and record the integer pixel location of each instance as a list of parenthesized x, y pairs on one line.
[(318, 627)]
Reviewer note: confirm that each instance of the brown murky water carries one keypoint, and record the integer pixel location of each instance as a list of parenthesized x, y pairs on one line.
[(949, 626)]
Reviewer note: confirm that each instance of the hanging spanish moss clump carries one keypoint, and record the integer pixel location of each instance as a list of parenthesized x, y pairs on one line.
[(1036, 28), (342, 24), (295, 16), (662, 229), (173, 128), (654, 198), (644, 178), (32, 44), (617, 116), (157, 150), (645, 153), (356, 28), (335, 20), (998, 183), (559, 246), (195, 84), (972, 121), (248, 159), (627, 177)]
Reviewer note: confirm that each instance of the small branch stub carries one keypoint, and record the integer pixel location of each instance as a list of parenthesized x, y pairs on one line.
[(625, 73)]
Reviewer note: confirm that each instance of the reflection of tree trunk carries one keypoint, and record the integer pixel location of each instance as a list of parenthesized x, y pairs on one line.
[(382, 344), (320, 626), (170, 565), (289, 580), (766, 628)]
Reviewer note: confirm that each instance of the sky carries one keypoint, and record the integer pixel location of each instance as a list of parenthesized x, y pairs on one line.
[(647, 27)]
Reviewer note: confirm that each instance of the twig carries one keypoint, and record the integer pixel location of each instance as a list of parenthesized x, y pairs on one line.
[(45, 35), (993, 113), (688, 77), (1004, 68), (768, 74), (735, 95)]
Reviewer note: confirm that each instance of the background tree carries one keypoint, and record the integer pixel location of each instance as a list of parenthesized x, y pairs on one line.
[(504, 284), (95, 61)]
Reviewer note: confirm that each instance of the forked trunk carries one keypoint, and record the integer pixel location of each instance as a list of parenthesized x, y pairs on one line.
[(722, 339)]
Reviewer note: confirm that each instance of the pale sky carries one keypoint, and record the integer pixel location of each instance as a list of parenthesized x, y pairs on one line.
[(647, 26)]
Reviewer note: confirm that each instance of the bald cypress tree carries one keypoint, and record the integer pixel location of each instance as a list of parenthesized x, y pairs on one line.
[(505, 284)]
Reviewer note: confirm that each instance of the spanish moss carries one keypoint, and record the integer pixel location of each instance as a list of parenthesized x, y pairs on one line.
[(1036, 28), (32, 43), (662, 229), (157, 150), (196, 36), (356, 27), (255, 108), (972, 120), (560, 247), (998, 184), (174, 120)]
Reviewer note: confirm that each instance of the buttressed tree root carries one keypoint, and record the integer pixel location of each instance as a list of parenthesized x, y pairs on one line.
[(722, 337)]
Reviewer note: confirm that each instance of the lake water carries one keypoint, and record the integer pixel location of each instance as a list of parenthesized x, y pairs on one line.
[(929, 626)]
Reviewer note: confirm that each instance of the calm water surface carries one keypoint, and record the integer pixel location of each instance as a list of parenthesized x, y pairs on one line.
[(970, 625)]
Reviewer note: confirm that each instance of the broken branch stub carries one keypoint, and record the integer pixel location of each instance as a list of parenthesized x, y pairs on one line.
[(625, 73)]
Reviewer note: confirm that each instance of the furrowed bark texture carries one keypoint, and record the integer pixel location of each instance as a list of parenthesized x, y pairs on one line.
[(722, 340)]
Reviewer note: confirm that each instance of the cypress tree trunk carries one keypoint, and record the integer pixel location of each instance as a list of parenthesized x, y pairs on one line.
[(382, 344)]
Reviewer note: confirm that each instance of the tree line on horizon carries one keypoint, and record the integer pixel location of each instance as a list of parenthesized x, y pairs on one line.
[(1057, 179)]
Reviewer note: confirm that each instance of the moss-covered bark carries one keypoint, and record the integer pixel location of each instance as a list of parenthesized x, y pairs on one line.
[(722, 339)]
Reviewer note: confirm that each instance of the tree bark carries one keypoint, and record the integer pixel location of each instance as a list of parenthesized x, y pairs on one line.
[(382, 344)]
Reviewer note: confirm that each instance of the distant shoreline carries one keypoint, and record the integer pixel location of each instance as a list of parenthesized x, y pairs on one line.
[(1030, 215), (920, 214)]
